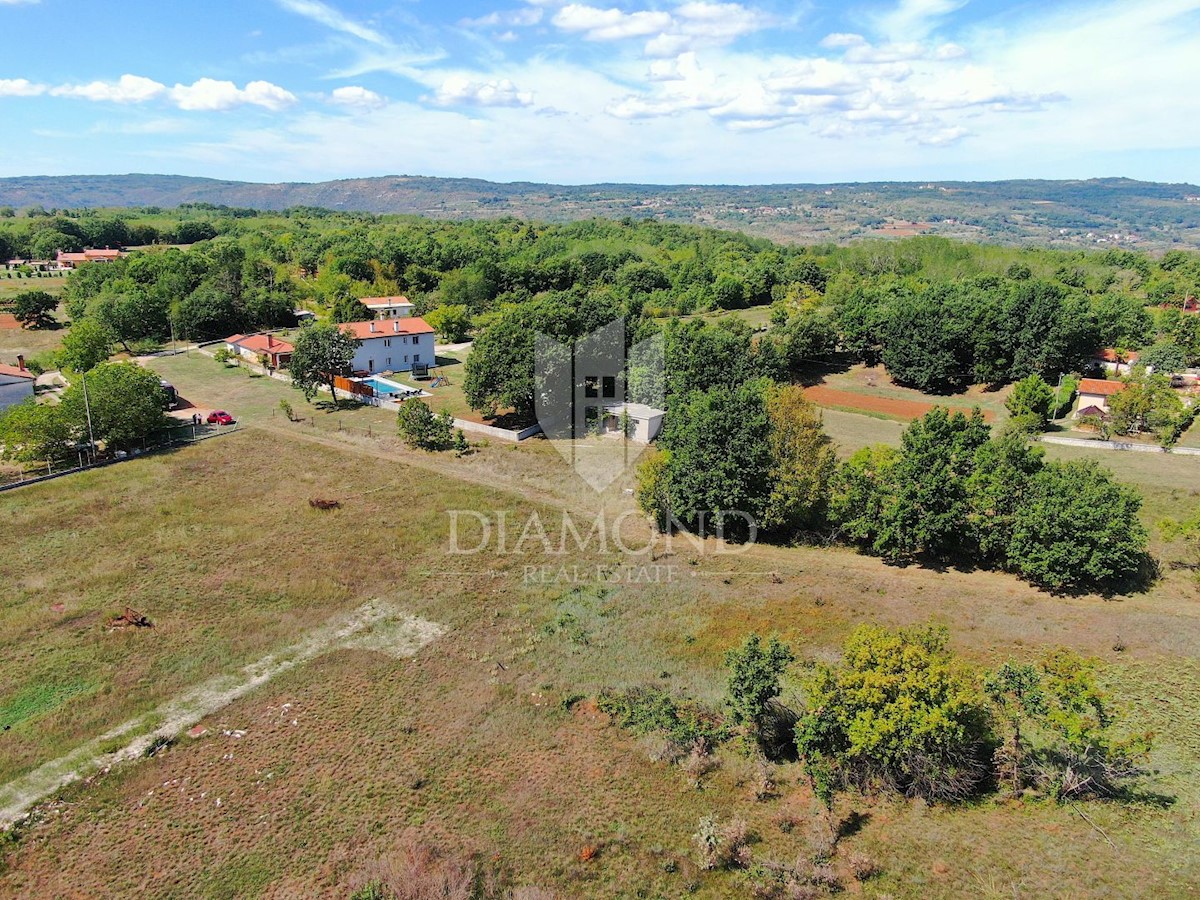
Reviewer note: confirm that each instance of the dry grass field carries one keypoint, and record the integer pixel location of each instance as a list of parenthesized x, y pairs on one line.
[(479, 746)]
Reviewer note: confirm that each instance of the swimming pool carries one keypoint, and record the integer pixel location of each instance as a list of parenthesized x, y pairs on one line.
[(385, 388)]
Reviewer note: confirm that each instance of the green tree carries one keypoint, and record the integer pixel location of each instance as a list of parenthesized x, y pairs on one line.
[(34, 309), (350, 309), (860, 489), (453, 323), (1029, 404), (719, 461), (925, 512), (322, 352), (900, 712), (753, 683), (125, 401), (1165, 358), (1148, 403), (996, 489), (420, 428), (803, 460), (1077, 529), (86, 345), (32, 431)]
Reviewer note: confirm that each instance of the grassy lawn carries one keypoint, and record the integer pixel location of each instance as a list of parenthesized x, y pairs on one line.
[(51, 284)]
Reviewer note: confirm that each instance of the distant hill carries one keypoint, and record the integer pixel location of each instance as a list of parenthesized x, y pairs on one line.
[(1096, 212)]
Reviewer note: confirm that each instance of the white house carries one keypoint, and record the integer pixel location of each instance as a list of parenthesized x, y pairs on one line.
[(16, 383), (644, 422), (391, 345), (388, 307), (1114, 362)]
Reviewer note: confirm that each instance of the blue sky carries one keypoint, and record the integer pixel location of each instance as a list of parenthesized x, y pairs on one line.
[(700, 91)]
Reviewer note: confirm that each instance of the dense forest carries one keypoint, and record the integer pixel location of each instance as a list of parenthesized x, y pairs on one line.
[(939, 315)]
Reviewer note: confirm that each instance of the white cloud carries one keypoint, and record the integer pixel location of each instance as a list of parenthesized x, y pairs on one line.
[(943, 137), (913, 19), (20, 87), (460, 90), (609, 24), (208, 94), (357, 97), (126, 89), (324, 14), (507, 18), (18, 2)]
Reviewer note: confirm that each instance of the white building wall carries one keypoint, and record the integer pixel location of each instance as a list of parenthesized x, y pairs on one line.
[(14, 390), (393, 353)]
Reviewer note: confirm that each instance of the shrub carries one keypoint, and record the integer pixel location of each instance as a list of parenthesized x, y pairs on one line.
[(650, 710), (899, 713), (722, 846), (1030, 403), (420, 428)]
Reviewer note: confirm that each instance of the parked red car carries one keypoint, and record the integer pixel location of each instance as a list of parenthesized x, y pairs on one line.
[(219, 417)]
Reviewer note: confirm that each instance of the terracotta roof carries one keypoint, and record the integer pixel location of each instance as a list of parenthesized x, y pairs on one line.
[(235, 338), (263, 343), (1091, 411), (1100, 386), (15, 372), (1108, 354), (387, 328), (372, 302)]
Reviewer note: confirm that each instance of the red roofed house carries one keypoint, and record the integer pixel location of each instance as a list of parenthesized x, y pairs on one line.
[(1094, 392), (256, 346), (71, 260), (391, 345), (16, 383), (1115, 363), (388, 307)]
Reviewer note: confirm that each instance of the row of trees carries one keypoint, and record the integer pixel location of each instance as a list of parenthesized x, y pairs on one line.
[(900, 712), (952, 493)]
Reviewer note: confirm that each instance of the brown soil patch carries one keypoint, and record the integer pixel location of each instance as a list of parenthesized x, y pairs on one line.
[(9, 322), (901, 409)]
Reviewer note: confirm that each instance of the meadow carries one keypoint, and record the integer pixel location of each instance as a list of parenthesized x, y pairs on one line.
[(486, 745)]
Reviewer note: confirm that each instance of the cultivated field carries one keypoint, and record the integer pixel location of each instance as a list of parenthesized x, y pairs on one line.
[(475, 746)]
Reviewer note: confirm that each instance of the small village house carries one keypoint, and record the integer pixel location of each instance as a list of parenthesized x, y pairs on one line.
[(391, 345), (641, 423), (16, 384), (255, 347), (1093, 396), (71, 260), (1115, 362), (388, 307)]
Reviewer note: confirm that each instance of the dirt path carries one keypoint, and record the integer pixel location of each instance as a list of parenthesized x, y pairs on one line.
[(901, 409), (374, 626)]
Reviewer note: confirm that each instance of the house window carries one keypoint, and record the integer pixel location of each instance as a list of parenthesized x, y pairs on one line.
[(406, 357), (370, 365), (416, 357), (389, 362), (387, 342), (610, 386), (591, 387)]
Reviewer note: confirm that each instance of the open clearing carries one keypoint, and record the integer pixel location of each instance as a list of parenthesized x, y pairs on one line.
[(375, 626), (892, 407), (472, 745)]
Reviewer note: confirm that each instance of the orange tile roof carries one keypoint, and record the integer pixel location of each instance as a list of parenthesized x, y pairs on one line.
[(385, 301), (263, 343), (1108, 354), (386, 328), (1100, 386), (16, 372)]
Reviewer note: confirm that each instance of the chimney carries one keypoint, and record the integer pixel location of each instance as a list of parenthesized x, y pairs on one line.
[(396, 327), (270, 341), (20, 362), (372, 326)]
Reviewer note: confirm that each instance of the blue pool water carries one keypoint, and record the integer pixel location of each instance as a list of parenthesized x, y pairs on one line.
[(385, 387)]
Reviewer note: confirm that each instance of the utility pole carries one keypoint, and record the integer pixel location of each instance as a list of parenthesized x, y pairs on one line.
[(88, 408), (1057, 397)]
